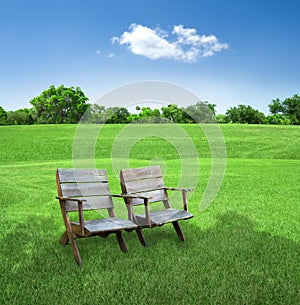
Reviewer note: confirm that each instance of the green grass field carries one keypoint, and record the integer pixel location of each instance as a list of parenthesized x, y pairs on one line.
[(243, 249)]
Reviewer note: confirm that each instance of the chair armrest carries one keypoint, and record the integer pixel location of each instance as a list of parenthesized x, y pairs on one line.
[(184, 196), (131, 196), (69, 199), (178, 189)]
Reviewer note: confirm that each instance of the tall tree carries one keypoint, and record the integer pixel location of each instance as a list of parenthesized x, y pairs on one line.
[(276, 107), (290, 108), (172, 113), (60, 105)]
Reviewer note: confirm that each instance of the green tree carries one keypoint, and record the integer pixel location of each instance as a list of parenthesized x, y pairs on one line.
[(201, 112), (277, 119), (60, 105), (19, 117), (221, 118), (156, 116), (276, 107), (3, 116), (95, 114), (122, 115), (172, 113), (146, 115), (244, 114), (117, 115), (292, 109), (289, 107)]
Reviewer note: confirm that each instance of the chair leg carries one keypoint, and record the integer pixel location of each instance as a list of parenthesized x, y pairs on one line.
[(141, 237), (64, 239), (121, 241), (75, 251), (178, 230), (68, 235), (74, 247)]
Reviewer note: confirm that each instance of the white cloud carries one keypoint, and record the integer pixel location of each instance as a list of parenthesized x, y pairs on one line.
[(98, 52), (110, 55), (115, 39), (154, 44), (145, 41)]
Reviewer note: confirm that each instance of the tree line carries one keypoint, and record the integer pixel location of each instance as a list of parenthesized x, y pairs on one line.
[(64, 105)]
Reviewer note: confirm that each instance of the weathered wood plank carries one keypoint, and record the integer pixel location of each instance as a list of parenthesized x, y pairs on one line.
[(84, 189), (82, 175), (132, 174), (91, 203), (144, 185), (164, 216), (157, 195), (107, 224)]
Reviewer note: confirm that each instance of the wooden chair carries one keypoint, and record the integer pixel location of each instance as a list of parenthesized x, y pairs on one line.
[(80, 190), (148, 183)]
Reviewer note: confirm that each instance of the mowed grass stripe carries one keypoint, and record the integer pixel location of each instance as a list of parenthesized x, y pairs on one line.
[(54, 142)]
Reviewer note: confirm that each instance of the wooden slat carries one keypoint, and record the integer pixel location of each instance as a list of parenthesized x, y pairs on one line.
[(144, 185), (164, 216), (157, 195), (84, 189), (132, 174), (91, 203), (107, 224), (81, 175)]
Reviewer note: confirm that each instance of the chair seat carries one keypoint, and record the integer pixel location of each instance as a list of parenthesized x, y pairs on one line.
[(106, 225), (164, 216)]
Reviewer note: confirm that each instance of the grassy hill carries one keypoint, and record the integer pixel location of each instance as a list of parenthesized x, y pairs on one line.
[(54, 142), (243, 249)]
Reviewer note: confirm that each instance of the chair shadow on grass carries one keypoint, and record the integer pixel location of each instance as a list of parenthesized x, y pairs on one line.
[(229, 263)]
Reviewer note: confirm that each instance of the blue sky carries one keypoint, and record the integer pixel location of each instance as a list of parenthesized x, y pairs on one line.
[(227, 52)]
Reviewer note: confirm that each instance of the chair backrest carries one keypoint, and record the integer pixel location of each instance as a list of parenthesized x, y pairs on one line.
[(89, 184), (147, 181)]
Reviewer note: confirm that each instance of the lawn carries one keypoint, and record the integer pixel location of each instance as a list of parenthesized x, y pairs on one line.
[(243, 249)]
